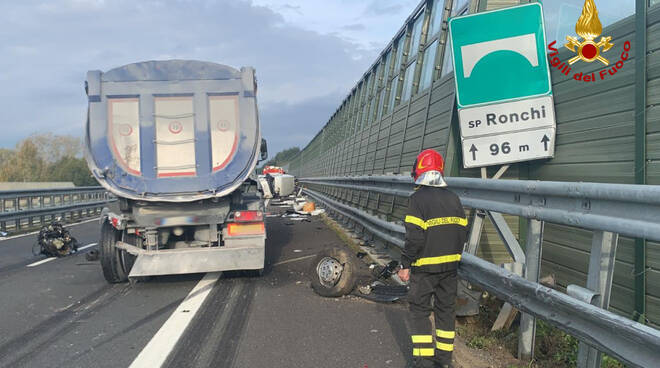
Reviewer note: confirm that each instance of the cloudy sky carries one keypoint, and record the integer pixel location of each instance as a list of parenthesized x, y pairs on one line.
[(307, 53)]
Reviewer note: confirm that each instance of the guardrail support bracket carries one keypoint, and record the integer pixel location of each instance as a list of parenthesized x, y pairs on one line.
[(532, 272)]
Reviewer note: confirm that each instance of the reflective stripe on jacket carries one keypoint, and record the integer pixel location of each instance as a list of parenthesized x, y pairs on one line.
[(436, 230)]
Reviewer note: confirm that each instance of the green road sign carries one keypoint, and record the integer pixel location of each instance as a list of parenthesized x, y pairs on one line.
[(500, 55)]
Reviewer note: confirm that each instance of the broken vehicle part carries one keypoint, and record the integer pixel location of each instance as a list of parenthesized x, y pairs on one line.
[(54, 240), (334, 272)]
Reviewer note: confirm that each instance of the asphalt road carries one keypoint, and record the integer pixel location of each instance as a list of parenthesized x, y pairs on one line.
[(62, 313)]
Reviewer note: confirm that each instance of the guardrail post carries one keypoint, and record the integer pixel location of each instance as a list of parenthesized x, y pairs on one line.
[(599, 280), (475, 231), (468, 299), (533, 252)]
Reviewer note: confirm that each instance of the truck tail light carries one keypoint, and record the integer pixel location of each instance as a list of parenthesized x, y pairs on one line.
[(116, 221), (238, 229), (248, 216)]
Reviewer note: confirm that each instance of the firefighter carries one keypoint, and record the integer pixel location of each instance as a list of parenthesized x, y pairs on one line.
[(436, 231)]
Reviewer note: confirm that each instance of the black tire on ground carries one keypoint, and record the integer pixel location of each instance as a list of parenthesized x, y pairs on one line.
[(344, 276), (110, 255)]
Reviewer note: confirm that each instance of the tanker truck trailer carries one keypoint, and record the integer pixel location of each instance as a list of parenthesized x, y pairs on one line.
[(177, 142)]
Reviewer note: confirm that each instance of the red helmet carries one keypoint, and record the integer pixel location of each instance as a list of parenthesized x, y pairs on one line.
[(428, 160)]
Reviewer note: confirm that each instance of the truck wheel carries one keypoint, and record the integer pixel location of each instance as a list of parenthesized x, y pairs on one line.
[(334, 272), (110, 255), (127, 259)]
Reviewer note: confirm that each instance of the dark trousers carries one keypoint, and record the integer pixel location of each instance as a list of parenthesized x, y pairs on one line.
[(432, 348)]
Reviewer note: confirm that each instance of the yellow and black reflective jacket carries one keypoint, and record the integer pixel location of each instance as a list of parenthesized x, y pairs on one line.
[(436, 230)]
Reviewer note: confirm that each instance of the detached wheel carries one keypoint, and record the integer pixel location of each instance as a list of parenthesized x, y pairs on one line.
[(334, 272), (111, 256)]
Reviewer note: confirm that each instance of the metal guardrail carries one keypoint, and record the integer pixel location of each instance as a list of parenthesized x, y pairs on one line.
[(631, 210), (25, 209), (625, 339), (607, 209)]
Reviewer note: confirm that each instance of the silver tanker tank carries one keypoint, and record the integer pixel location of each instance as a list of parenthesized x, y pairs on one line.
[(176, 141)]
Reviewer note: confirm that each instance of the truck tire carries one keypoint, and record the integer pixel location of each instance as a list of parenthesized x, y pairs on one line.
[(127, 259), (110, 255), (334, 272)]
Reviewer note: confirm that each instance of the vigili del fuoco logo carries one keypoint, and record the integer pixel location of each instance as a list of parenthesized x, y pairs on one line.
[(588, 28)]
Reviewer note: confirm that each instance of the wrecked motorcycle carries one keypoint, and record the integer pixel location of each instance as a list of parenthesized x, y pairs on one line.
[(54, 240)]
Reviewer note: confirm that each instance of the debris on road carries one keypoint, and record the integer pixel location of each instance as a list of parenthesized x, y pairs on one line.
[(294, 214), (92, 255), (333, 272), (309, 207), (282, 203), (333, 275), (54, 240)]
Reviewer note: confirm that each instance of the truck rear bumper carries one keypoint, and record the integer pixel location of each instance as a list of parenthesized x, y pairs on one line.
[(249, 255)]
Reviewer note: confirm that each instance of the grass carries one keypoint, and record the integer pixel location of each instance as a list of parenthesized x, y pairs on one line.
[(553, 347), (482, 342)]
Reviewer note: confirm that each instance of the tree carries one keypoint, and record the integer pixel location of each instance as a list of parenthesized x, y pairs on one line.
[(5, 155), (71, 169), (53, 148), (25, 165), (46, 157), (283, 157)]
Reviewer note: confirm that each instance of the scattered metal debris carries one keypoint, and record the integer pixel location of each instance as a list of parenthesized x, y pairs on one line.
[(54, 240), (92, 255)]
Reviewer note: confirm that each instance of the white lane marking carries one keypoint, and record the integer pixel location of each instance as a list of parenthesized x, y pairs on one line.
[(37, 232), (87, 246), (53, 258), (294, 260), (159, 347), (42, 261)]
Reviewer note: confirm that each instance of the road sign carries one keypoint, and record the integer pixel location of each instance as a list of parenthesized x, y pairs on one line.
[(507, 117), (508, 148), (500, 55), (503, 87)]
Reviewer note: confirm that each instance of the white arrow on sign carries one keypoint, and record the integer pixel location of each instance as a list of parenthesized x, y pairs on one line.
[(508, 148)]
